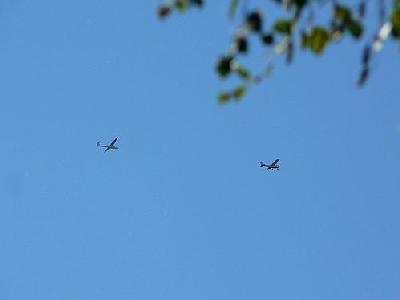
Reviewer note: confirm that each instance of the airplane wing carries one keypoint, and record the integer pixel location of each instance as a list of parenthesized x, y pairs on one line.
[(275, 162), (113, 142)]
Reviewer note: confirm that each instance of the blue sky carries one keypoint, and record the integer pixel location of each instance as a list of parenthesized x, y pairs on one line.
[(182, 210)]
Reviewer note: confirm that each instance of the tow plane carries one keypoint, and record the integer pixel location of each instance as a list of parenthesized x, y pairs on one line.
[(111, 146), (272, 166)]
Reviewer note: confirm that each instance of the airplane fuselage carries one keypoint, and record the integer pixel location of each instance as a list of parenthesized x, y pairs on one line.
[(110, 148), (274, 165)]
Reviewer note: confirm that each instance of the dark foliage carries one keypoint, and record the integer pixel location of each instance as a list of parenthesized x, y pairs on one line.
[(298, 30)]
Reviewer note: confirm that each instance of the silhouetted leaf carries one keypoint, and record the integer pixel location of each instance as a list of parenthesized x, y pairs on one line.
[(181, 5), (242, 72), (239, 92), (395, 20), (267, 38), (198, 3), (283, 26), (317, 39), (300, 3), (355, 28), (241, 44), (163, 11), (342, 13), (224, 66), (254, 21), (224, 97), (304, 40)]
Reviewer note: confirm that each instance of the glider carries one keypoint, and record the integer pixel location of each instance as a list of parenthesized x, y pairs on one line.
[(111, 146)]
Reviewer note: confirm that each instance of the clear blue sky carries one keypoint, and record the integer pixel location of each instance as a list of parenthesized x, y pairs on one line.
[(182, 210)]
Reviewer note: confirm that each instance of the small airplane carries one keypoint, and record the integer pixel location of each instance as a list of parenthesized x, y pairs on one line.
[(274, 165), (109, 147)]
